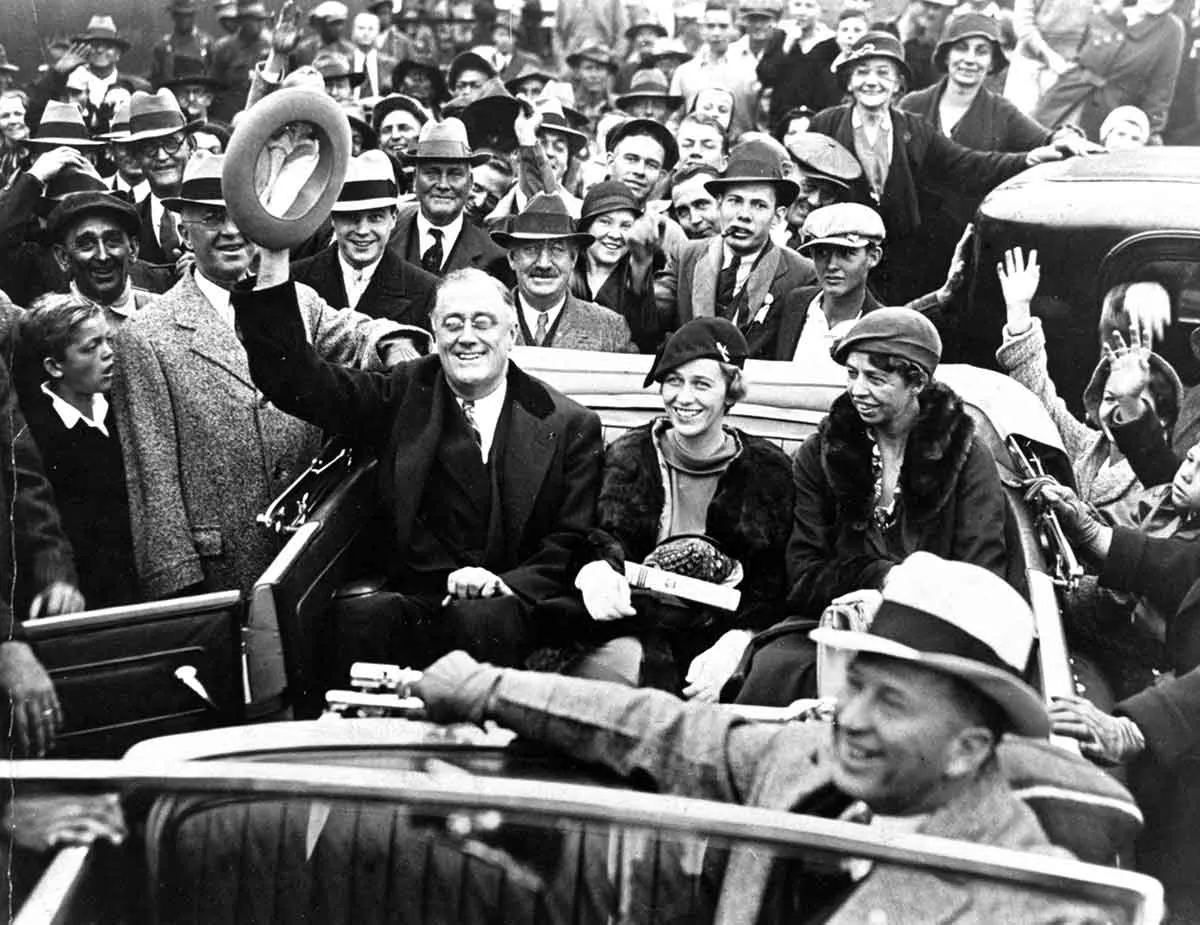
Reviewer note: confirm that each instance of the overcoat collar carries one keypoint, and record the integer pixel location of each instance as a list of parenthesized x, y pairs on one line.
[(212, 338)]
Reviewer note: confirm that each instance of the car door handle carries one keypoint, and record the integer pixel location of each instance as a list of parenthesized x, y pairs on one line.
[(187, 676)]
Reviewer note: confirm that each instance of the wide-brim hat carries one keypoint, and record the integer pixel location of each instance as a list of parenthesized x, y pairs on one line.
[(656, 130), (370, 184), (468, 61), (490, 116), (825, 158), (604, 197), (875, 44), (62, 124), (555, 118), (597, 54), (900, 332), (968, 26), (190, 72), (649, 84), (156, 115), (670, 48), (444, 141), (544, 218), (201, 184), (699, 339), (646, 23), (755, 169), (436, 78), (73, 206), (957, 619), (395, 101), (102, 29), (527, 72)]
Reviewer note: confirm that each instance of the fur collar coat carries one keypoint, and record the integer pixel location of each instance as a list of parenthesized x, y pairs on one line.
[(951, 502)]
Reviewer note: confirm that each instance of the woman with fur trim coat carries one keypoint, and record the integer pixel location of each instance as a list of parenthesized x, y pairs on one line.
[(894, 468), (690, 494)]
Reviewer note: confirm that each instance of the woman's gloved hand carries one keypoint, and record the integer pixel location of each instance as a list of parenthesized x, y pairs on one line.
[(605, 591)]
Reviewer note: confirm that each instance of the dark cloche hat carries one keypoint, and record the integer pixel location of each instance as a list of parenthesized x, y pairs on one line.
[(967, 26), (699, 339), (875, 44), (607, 196)]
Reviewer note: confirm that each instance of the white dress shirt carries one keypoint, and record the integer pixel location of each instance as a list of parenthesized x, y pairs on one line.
[(816, 341), (487, 413), (156, 216), (744, 268), (356, 279), (70, 415), (531, 316), (368, 63), (217, 296), (449, 232)]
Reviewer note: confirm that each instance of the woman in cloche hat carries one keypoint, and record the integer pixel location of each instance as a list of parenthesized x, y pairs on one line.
[(894, 468), (689, 494)]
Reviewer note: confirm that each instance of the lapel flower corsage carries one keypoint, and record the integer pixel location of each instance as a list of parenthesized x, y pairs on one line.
[(766, 307)]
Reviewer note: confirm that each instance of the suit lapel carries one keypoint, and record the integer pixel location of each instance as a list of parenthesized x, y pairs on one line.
[(212, 339), (762, 276), (528, 450), (466, 250), (704, 280), (387, 292)]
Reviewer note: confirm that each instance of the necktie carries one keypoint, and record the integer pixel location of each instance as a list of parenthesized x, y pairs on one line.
[(726, 285), (431, 260), (168, 236), (539, 335), (468, 407)]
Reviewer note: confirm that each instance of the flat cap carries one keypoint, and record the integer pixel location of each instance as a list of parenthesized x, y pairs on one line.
[(821, 155), (848, 224)]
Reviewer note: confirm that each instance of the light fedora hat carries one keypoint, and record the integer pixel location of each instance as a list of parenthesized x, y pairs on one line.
[(544, 218), (444, 141), (62, 124), (102, 29), (961, 620), (370, 184), (155, 115), (201, 184)]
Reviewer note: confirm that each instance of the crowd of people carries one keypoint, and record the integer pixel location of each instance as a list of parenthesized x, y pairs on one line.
[(745, 182)]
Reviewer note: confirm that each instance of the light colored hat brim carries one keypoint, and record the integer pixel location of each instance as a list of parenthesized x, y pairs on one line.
[(508, 241), (1025, 710), (65, 142), (364, 205), (842, 240)]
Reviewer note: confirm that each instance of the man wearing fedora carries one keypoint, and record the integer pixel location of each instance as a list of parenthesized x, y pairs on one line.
[(104, 47), (193, 88), (931, 721), (358, 270), (489, 475), (236, 56), (160, 140), (203, 450), (649, 96), (341, 80), (741, 273), (185, 40), (434, 234), (543, 247)]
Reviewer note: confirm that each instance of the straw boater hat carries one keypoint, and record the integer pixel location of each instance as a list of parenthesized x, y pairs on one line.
[(156, 115), (968, 26), (444, 141), (62, 124), (649, 84), (102, 29), (875, 44), (544, 218), (201, 182), (754, 168), (370, 184), (960, 620)]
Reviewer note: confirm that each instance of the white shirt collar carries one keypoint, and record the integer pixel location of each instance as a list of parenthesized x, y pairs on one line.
[(885, 123), (124, 305), (218, 297), (363, 276), (487, 411), (449, 232), (531, 314), (70, 415)]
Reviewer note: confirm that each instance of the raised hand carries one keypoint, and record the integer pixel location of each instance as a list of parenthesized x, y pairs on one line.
[(958, 267), (1128, 372), (1019, 279)]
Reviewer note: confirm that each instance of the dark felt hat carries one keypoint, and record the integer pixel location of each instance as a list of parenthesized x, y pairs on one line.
[(73, 206), (468, 61), (394, 101), (967, 26), (900, 332), (544, 218), (597, 54), (604, 197), (102, 29), (190, 72), (655, 130), (754, 167), (649, 84), (527, 72), (699, 339), (428, 67), (66, 183), (875, 44), (489, 117)]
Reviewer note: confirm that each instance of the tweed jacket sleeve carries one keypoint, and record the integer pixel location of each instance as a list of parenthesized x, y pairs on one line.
[(1023, 357), (344, 335)]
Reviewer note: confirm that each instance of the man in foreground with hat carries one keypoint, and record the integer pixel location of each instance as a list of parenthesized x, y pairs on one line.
[(184, 40), (741, 273), (358, 270), (543, 247), (201, 447), (160, 140), (923, 701), (490, 476), (434, 234)]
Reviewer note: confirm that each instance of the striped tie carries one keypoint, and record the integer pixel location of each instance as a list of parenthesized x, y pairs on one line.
[(539, 335), (468, 407)]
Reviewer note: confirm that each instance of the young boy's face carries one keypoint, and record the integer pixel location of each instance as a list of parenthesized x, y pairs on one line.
[(1185, 489), (849, 31), (86, 367)]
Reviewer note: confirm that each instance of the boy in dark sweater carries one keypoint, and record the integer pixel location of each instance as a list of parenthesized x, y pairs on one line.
[(75, 431)]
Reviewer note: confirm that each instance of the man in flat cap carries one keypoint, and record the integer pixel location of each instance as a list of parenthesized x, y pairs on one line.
[(328, 20), (543, 248), (923, 700)]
